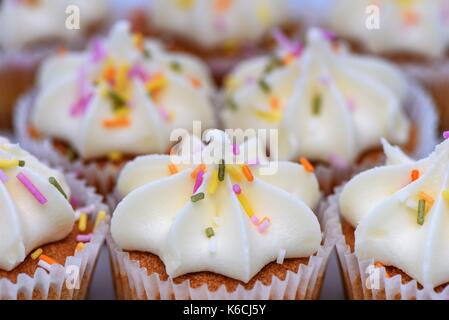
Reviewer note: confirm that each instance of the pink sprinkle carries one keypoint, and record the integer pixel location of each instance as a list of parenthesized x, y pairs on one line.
[(237, 189), (219, 24), (80, 106), (199, 181), (139, 73), (328, 35), (253, 162), (446, 134), (164, 114), (98, 50), (74, 202), (3, 177), (32, 188), (235, 149), (350, 103), (84, 237), (255, 220), (338, 162), (281, 39), (264, 225)]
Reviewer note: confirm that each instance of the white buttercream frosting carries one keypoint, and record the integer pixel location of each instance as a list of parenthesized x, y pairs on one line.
[(326, 102), (25, 223), (157, 214), (212, 23), (383, 205), (125, 95), (25, 22), (415, 26)]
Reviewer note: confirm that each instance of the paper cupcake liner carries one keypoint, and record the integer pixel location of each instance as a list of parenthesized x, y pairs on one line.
[(435, 78), (57, 283), (362, 280), (133, 282)]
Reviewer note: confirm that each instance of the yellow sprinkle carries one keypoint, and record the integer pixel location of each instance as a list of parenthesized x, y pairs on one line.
[(269, 116), (7, 164), (213, 184), (185, 4), (115, 156), (80, 246), (82, 222), (36, 254), (425, 196), (234, 173), (122, 78), (445, 195), (264, 15), (138, 41), (245, 204), (231, 83), (100, 217), (122, 113), (158, 82)]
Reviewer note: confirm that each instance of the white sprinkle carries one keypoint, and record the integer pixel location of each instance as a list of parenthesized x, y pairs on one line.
[(212, 245), (281, 256), (44, 265)]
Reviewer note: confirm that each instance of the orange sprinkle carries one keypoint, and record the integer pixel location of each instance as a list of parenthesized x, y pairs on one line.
[(275, 103), (110, 74), (410, 18), (336, 47), (306, 164), (414, 175), (139, 41), (61, 51), (198, 169), (288, 58), (34, 133), (425, 196), (80, 246), (47, 259), (195, 82), (172, 168), (222, 5), (116, 123), (247, 173)]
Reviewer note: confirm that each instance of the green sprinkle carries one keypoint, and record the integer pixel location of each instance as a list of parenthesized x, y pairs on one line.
[(231, 104), (221, 170), (209, 232), (176, 66), (264, 86), (117, 101), (146, 53), (197, 197), (56, 184), (21, 163), (316, 104), (421, 211), (274, 63), (70, 154)]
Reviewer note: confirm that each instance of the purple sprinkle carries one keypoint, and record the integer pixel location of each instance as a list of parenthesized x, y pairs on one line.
[(199, 181), (328, 35), (237, 189), (74, 202), (80, 106), (235, 149), (446, 134), (139, 73), (31, 188), (98, 50), (84, 237), (3, 177), (338, 162)]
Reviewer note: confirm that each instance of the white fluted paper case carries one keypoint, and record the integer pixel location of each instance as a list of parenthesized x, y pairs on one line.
[(133, 282), (361, 279), (58, 282)]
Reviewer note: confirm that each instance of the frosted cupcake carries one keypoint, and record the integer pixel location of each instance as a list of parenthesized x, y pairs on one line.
[(51, 229), (412, 33), (329, 105), (223, 230), (31, 30), (394, 228), (221, 32), (120, 98)]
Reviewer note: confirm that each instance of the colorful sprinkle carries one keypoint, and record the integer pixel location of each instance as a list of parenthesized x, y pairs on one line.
[(80, 246), (56, 184), (100, 217), (3, 177), (209, 232), (176, 66), (264, 86), (221, 170), (235, 149), (264, 225), (115, 156), (269, 116), (247, 173), (213, 184), (316, 104), (281, 256), (98, 51), (197, 197), (414, 175), (196, 83), (446, 134), (245, 204), (421, 211), (116, 123), (172, 168), (426, 197), (8, 164), (231, 104), (275, 103), (200, 167), (84, 237), (198, 181), (445, 195), (32, 188), (36, 254), (234, 173), (236, 188), (255, 220), (306, 164), (47, 259), (82, 222)]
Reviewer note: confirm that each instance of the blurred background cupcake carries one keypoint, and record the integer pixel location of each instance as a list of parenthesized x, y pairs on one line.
[(52, 228), (30, 31), (394, 221), (220, 230), (413, 33), (330, 106), (221, 32), (123, 96)]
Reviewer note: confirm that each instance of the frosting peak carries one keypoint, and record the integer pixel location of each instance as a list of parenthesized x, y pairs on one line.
[(33, 212), (401, 212), (225, 218), (125, 94), (325, 101)]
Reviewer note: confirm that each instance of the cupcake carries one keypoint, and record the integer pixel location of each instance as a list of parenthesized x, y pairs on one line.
[(329, 105), (221, 32), (412, 33), (220, 229), (52, 228), (92, 111), (393, 228), (31, 30)]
